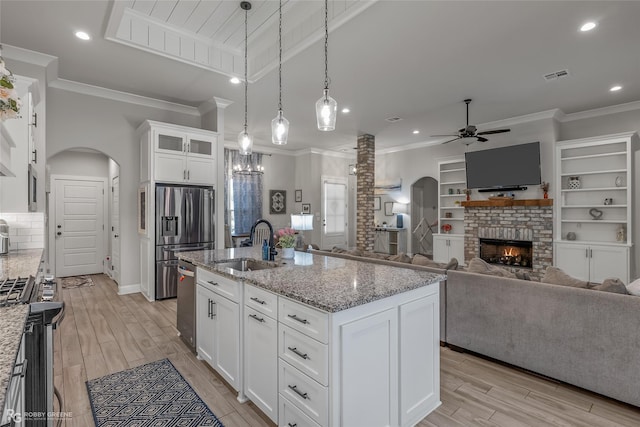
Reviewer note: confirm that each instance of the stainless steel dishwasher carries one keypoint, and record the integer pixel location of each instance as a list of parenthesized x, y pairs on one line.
[(186, 319)]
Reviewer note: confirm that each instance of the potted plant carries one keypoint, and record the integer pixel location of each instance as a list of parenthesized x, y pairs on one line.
[(286, 239)]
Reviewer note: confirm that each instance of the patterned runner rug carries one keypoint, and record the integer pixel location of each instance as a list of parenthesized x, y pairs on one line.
[(154, 394), (76, 281)]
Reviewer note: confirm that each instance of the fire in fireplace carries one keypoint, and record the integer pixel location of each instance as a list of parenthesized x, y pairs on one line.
[(516, 253)]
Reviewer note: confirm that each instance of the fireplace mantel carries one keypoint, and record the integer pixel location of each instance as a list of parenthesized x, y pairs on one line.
[(503, 202)]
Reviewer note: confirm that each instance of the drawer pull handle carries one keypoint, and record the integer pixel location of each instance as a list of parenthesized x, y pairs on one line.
[(259, 301), (259, 319), (213, 283), (294, 317), (23, 369), (292, 425), (295, 350), (295, 388)]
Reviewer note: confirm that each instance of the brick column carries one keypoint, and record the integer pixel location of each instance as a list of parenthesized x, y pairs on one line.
[(365, 233)]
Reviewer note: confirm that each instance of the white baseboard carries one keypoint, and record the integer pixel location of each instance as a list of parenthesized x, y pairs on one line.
[(128, 289)]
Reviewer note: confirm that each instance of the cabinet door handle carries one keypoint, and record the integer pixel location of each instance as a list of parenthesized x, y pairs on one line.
[(188, 175), (292, 425), (586, 253), (295, 388), (184, 174), (298, 353), (213, 283), (259, 301), (209, 303), (259, 319), (590, 253), (213, 313), (294, 317)]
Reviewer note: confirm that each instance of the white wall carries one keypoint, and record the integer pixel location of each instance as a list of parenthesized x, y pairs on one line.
[(79, 163), (279, 175), (76, 120)]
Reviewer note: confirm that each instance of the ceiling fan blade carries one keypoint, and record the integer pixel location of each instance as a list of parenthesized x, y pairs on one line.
[(451, 140), (493, 132), (481, 139)]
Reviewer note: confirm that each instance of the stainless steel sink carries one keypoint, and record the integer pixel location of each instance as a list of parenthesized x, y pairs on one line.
[(246, 264)]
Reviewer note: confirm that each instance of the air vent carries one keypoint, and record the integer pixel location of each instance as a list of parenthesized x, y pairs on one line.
[(393, 119), (555, 76)]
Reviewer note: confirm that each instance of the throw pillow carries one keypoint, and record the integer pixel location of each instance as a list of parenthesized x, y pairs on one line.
[(375, 255), (478, 265), (451, 265), (612, 285), (401, 257), (355, 252), (634, 288), (556, 276), (337, 250), (522, 276), (423, 260)]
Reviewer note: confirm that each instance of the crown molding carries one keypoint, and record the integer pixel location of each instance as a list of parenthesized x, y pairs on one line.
[(214, 103), (406, 147), (28, 56), (129, 98), (323, 152), (512, 121), (597, 112), (263, 149)]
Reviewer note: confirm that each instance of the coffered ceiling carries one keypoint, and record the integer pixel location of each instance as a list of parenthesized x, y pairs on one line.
[(416, 60)]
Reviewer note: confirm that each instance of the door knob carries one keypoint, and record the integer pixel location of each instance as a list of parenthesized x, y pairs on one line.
[(59, 233), (59, 226)]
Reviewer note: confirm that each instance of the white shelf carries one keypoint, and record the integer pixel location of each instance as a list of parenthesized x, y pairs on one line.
[(446, 208), (595, 221), (592, 206), (452, 170), (593, 156), (451, 219), (577, 190), (453, 183), (452, 195), (594, 172)]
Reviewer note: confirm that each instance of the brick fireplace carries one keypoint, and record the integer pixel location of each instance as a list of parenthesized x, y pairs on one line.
[(524, 222)]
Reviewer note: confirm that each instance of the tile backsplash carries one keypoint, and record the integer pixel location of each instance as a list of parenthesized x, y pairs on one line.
[(26, 230)]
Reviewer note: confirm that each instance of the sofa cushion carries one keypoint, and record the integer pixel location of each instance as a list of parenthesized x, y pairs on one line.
[(375, 255), (612, 285), (478, 265), (355, 252), (401, 257), (556, 276), (423, 260), (634, 288), (337, 250), (452, 264), (522, 276)]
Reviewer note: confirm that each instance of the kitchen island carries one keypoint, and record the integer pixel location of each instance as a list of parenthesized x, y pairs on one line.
[(12, 318), (319, 341)]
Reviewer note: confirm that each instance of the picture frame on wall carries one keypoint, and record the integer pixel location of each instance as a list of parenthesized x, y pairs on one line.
[(298, 195), (376, 204), (277, 202), (388, 208), (306, 208)]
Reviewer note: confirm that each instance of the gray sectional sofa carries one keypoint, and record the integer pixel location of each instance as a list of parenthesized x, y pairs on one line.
[(583, 337)]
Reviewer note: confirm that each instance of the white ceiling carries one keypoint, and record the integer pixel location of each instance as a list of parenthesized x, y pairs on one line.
[(413, 59)]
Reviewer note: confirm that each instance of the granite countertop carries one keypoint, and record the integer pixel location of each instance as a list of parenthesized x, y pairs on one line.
[(12, 320), (20, 263), (328, 283)]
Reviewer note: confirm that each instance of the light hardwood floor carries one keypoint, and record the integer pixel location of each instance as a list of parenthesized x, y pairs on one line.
[(104, 333)]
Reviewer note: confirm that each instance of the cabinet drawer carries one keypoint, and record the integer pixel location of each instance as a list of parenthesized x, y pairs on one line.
[(304, 353), (305, 393), (263, 301), (291, 416), (307, 320), (221, 285)]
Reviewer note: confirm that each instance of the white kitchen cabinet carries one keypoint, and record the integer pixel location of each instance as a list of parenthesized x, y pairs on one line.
[(218, 326), (447, 246), (593, 263), (177, 154)]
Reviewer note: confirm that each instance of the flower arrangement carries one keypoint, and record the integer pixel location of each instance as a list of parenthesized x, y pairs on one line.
[(467, 191), (9, 101), (446, 228), (545, 188), (286, 237)]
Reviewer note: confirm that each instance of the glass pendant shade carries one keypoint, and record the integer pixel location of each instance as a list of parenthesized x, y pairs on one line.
[(279, 129), (326, 110), (245, 141)]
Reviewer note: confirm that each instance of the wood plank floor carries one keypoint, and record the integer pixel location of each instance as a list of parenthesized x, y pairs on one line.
[(103, 333)]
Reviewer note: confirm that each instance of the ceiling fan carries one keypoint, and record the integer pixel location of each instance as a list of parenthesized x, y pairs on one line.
[(468, 133)]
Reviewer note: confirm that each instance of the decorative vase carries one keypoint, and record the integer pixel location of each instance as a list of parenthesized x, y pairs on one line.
[(546, 195), (288, 253), (574, 182)]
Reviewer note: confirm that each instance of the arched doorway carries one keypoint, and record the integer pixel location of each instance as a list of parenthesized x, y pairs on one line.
[(424, 214)]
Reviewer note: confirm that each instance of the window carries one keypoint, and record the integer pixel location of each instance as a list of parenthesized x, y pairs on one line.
[(243, 190)]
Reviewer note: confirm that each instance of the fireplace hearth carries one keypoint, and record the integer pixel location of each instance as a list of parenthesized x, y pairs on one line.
[(515, 253)]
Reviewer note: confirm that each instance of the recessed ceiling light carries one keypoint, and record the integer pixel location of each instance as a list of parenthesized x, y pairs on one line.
[(615, 88), (346, 110), (588, 26), (235, 80), (82, 35), (415, 132)]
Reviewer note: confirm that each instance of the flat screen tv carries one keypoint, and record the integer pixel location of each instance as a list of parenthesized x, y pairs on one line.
[(504, 168)]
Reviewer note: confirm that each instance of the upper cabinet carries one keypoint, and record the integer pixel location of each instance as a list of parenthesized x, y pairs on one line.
[(177, 154)]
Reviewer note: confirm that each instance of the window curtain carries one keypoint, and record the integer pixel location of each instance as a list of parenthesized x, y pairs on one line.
[(243, 191)]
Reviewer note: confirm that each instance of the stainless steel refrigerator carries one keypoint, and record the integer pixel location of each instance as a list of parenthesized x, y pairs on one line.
[(184, 222)]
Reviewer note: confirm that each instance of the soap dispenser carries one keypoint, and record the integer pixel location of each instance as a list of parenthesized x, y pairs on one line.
[(265, 250)]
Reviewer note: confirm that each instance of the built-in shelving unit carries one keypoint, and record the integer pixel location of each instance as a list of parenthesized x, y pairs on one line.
[(595, 219), (452, 183)]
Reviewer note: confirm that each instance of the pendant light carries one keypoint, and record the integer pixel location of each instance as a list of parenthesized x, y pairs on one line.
[(326, 107), (245, 140), (280, 125)]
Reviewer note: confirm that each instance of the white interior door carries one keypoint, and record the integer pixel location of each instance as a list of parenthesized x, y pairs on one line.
[(334, 212), (115, 229), (79, 226)]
